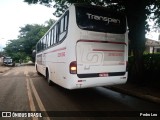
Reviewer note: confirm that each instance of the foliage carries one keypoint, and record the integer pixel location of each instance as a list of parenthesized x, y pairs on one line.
[(137, 12), (151, 67), (30, 34), (22, 47), (151, 61), (152, 6), (1, 53)]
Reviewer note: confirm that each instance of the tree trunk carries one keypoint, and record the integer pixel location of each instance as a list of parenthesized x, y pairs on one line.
[(136, 17)]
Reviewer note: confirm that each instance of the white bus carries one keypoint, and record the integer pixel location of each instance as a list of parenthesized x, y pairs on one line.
[(86, 47)]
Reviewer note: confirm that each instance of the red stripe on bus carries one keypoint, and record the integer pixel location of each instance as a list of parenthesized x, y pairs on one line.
[(100, 41), (58, 62), (56, 50), (108, 50)]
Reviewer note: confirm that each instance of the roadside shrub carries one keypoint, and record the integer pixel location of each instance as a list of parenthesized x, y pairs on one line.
[(151, 68), (152, 62)]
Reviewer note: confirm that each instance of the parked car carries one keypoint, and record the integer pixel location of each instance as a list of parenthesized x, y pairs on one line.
[(8, 61)]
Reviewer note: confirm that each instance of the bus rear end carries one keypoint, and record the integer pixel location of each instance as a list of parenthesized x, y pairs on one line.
[(102, 49), (101, 62), (95, 57)]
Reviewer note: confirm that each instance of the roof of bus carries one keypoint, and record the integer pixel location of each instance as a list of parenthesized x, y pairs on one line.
[(87, 6)]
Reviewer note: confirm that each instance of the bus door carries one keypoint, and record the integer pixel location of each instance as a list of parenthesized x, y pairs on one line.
[(97, 58)]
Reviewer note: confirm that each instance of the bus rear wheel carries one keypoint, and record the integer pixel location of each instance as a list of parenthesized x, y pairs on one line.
[(48, 80), (37, 71)]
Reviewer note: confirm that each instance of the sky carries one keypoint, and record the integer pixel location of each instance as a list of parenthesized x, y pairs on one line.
[(16, 13)]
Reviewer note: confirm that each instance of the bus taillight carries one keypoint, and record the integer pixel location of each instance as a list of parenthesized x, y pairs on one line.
[(73, 67)]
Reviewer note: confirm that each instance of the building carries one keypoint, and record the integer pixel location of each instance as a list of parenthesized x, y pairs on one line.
[(152, 46), (153, 42)]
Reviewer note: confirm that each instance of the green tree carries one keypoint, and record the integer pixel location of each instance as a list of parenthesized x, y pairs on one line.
[(22, 47), (49, 23), (29, 35), (14, 49)]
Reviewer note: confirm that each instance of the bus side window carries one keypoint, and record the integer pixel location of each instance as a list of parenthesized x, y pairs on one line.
[(52, 37), (55, 35), (57, 32), (63, 27), (38, 46), (66, 22), (41, 44), (46, 41)]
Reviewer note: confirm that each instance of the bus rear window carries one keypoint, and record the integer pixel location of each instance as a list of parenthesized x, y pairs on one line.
[(100, 19)]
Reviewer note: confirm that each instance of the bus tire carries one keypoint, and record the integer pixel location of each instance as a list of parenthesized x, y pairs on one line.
[(47, 77), (37, 71)]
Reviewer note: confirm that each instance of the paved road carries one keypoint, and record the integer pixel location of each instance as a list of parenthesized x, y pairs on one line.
[(21, 89)]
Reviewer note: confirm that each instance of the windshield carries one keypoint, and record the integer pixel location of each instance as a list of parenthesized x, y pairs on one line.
[(100, 19)]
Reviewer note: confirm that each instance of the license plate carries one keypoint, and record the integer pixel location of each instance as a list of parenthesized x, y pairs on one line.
[(103, 74)]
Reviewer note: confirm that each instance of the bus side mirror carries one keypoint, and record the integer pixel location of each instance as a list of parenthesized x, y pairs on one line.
[(33, 56), (34, 53)]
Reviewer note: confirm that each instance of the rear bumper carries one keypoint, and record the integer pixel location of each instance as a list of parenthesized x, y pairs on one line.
[(92, 75), (79, 83)]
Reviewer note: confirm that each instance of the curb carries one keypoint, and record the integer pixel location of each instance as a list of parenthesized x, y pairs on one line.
[(132, 93)]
